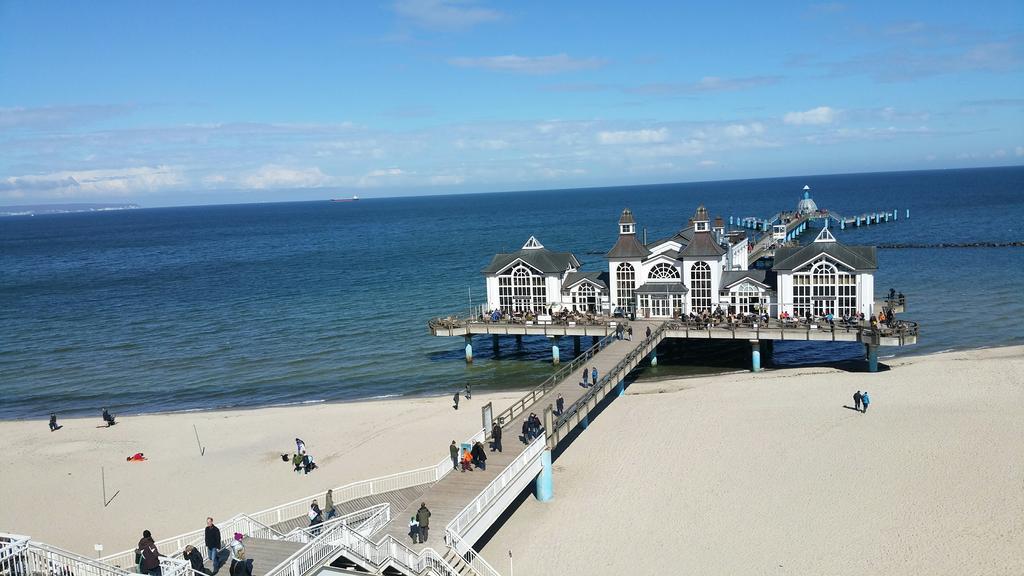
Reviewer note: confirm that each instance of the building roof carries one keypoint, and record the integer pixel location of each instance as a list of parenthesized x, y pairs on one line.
[(701, 215), (662, 288), (763, 277), (702, 245), (536, 256), (860, 258), (627, 246), (627, 217), (598, 278)]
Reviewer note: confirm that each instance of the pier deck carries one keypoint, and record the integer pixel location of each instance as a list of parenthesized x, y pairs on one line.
[(447, 497)]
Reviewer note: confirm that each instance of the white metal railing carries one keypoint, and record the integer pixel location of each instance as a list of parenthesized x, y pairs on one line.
[(22, 556), (485, 498), (365, 521), (469, 555)]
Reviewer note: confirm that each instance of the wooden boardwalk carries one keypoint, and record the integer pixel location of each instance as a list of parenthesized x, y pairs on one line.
[(447, 497), (399, 500)]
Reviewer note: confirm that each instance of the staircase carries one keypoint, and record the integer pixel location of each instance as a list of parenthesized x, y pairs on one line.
[(458, 563), (266, 554)]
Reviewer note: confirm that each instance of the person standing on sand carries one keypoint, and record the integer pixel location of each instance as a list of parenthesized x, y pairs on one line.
[(453, 450), (150, 562), (865, 399), (300, 446), (496, 437), (212, 539), (456, 400), (53, 422), (423, 517), (857, 399), (469, 393)]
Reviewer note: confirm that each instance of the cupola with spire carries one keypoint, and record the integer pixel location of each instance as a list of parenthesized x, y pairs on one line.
[(700, 220), (627, 246), (627, 225), (719, 228)]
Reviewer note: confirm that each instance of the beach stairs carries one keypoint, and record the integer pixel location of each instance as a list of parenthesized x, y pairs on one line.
[(267, 554), (455, 560)]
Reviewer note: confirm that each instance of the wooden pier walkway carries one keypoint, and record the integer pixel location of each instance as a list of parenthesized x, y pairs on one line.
[(447, 497)]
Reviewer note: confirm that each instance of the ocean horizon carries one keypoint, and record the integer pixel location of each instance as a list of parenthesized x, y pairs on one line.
[(171, 309)]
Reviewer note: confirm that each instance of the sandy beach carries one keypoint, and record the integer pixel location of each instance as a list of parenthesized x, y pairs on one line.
[(770, 474), (743, 473), (52, 481)]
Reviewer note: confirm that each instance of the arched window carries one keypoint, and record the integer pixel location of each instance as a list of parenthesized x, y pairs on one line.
[(746, 298), (584, 299), (625, 284), (520, 290), (663, 271), (823, 289), (700, 287)]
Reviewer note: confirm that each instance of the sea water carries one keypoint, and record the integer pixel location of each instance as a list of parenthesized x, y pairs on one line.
[(266, 304)]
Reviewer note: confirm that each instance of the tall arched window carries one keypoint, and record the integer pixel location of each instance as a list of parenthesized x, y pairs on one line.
[(700, 288), (520, 290), (584, 299), (822, 289), (663, 271), (625, 284)]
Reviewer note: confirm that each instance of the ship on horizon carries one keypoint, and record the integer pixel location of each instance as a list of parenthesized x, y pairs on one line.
[(352, 199)]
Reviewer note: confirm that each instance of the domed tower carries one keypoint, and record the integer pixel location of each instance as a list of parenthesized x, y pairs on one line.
[(806, 205), (701, 221)]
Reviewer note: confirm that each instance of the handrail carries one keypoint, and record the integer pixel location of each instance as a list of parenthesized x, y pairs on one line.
[(496, 487), (322, 546), (355, 520), (25, 556), (477, 562), (508, 414)]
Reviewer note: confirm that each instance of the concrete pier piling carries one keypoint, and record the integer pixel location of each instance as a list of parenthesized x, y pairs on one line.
[(554, 350), (872, 353), (469, 349), (545, 480), (755, 356)]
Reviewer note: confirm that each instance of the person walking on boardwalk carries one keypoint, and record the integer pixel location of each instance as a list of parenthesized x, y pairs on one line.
[(454, 451), (423, 517), (195, 559), (238, 560), (316, 517), (414, 530), (585, 375), (865, 400), (479, 456), (456, 400), (329, 505), (593, 375), (526, 431), (559, 405), (857, 400), (648, 332), (212, 539), (495, 437), (149, 561)]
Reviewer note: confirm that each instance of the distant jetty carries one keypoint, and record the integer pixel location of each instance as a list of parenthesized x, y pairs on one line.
[(40, 209)]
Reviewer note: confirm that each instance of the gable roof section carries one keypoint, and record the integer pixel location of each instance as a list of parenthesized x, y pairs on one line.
[(542, 259), (628, 246), (599, 279), (859, 258), (663, 288), (703, 245), (764, 278)]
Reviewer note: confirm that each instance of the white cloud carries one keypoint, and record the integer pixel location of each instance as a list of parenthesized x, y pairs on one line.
[(814, 116), (445, 14), (707, 163), (275, 176), (120, 182), (645, 136), (744, 130), (529, 64), (1019, 151)]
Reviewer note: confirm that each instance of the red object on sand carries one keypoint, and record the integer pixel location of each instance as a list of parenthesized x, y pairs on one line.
[(137, 457)]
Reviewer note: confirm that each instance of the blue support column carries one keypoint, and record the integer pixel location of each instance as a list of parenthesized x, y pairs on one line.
[(842, 224), (585, 422), (730, 220), (545, 480), (654, 356), (620, 389), (755, 356), (908, 212), (895, 214), (469, 349), (872, 357), (495, 344), (554, 351)]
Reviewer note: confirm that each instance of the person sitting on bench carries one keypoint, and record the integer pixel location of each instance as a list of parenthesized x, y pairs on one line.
[(108, 418)]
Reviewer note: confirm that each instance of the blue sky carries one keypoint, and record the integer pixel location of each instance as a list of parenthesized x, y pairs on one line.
[(202, 102)]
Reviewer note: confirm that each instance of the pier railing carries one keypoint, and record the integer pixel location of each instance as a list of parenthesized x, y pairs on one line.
[(480, 566), (23, 556), (531, 397), (326, 544), (364, 521)]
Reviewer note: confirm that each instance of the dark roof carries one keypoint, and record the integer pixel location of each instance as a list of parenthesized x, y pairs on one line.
[(627, 217), (701, 214), (703, 245), (542, 259), (662, 288), (765, 277), (683, 237), (859, 257), (599, 278), (627, 246)]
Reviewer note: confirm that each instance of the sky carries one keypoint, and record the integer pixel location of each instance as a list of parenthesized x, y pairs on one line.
[(175, 103)]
